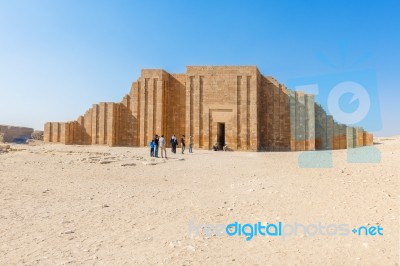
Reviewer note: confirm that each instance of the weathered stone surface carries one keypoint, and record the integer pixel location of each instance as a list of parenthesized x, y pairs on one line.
[(4, 148), (37, 135), (250, 111), (15, 134)]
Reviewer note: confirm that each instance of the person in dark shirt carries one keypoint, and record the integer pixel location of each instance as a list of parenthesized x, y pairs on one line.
[(174, 143), (183, 144), (156, 145)]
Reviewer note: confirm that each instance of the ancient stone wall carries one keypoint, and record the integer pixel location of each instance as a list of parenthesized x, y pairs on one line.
[(256, 113), (223, 95), (275, 127)]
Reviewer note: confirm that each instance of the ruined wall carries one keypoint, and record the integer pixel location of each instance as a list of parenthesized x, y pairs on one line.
[(11, 132)]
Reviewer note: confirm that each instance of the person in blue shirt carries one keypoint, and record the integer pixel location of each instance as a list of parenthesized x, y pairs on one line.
[(152, 144)]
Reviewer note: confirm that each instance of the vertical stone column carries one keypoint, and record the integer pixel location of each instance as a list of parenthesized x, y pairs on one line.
[(310, 122), (95, 124), (285, 117), (102, 118), (252, 113), (87, 127), (62, 132), (244, 123), (47, 132), (200, 139), (275, 118), (196, 111), (239, 111), (56, 132), (358, 137), (110, 125), (350, 137), (189, 105), (343, 136), (300, 121), (136, 115), (160, 110), (324, 130), (292, 110), (336, 136), (329, 132), (151, 109), (144, 112)]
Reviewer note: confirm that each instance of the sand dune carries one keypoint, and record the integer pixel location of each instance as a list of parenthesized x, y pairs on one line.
[(99, 205)]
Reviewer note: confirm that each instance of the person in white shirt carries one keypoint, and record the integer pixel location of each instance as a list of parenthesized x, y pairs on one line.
[(161, 143)]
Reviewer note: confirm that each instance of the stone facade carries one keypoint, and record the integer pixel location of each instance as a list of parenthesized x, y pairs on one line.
[(233, 105)]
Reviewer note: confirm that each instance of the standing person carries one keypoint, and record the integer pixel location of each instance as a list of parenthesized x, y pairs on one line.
[(152, 148), (161, 142), (190, 144), (156, 146), (173, 142), (183, 144)]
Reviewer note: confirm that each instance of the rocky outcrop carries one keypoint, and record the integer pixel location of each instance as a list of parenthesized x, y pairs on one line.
[(37, 135), (4, 148), (15, 134)]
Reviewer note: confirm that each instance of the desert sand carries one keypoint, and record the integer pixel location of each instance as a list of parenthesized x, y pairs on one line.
[(97, 205)]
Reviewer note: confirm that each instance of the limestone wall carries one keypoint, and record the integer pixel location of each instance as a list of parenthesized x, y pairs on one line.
[(274, 116), (302, 121), (258, 113), (226, 95)]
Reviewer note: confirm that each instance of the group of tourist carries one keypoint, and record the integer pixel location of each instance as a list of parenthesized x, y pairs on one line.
[(160, 143)]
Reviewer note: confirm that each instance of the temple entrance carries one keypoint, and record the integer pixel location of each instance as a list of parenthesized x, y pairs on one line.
[(221, 135)]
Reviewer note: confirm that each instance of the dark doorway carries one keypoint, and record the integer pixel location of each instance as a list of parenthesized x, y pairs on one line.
[(221, 135)]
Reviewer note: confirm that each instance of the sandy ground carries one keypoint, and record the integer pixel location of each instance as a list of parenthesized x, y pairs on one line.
[(96, 205)]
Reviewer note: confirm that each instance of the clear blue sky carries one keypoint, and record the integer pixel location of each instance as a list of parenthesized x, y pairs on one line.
[(57, 58)]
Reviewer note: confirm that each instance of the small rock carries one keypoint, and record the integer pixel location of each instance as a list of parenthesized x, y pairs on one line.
[(106, 162), (105, 206), (128, 164)]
